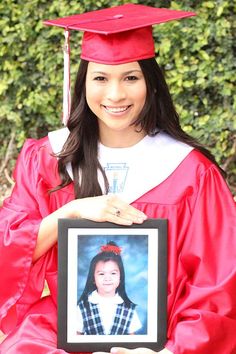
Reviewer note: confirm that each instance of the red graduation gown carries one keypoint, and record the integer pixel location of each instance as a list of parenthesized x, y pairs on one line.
[(201, 255)]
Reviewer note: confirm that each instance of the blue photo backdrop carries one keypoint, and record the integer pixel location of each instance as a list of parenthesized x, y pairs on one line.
[(135, 258)]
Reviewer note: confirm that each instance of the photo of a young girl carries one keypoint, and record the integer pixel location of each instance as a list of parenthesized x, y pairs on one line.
[(104, 308)]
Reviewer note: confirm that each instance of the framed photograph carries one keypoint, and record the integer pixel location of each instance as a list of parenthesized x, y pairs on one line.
[(112, 285)]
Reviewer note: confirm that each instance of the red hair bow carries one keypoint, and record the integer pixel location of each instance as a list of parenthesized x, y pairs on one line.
[(111, 248)]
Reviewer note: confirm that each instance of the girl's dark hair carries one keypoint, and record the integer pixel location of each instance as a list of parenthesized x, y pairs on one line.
[(81, 147), (90, 285)]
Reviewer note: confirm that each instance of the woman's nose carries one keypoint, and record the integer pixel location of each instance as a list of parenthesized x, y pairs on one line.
[(115, 92)]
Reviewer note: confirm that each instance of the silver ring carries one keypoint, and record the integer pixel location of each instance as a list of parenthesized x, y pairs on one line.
[(117, 213)]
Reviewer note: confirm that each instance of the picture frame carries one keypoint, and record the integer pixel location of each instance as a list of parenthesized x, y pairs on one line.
[(144, 256)]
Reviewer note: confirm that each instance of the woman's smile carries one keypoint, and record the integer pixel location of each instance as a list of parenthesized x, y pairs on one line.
[(116, 110)]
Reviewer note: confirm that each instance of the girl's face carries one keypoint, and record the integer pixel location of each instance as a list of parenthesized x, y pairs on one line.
[(107, 278), (116, 94)]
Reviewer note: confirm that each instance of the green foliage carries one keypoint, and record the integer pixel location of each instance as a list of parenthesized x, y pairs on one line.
[(196, 54)]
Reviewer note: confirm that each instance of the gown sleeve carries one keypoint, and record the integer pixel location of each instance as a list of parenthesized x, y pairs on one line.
[(203, 318), (20, 217)]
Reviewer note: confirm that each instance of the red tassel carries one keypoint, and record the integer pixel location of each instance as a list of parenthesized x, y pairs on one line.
[(66, 84)]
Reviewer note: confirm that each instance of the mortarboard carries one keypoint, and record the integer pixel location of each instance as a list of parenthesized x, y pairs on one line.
[(115, 35)]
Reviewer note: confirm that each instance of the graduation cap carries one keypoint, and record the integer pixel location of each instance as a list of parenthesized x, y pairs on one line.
[(115, 35)]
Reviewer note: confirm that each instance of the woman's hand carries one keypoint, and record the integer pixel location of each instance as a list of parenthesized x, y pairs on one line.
[(134, 351), (101, 208), (104, 208)]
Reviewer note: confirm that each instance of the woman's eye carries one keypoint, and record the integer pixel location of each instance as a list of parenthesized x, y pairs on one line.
[(99, 78), (131, 78)]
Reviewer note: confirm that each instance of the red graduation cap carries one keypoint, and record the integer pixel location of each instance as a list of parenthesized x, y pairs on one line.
[(116, 35)]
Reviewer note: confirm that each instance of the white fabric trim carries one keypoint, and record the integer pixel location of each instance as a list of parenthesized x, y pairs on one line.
[(151, 161), (57, 139)]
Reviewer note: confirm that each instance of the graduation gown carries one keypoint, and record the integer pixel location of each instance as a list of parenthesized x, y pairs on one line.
[(201, 217)]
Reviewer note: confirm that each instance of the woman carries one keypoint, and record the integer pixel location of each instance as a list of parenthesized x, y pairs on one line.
[(123, 137)]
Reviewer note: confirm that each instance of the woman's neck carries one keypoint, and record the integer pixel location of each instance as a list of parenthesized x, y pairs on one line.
[(121, 140)]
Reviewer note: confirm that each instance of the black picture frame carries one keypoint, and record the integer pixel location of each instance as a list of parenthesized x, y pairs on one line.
[(144, 252)]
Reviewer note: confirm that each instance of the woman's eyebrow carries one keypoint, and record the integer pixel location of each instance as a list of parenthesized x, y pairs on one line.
[(132, 71), (124, 73), (99, 72)]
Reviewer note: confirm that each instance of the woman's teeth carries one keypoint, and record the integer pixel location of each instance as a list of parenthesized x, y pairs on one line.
[(116, 109)]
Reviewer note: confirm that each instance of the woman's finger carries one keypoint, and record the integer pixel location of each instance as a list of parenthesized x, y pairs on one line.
[(117, 350), (121, 209), (105, 208)]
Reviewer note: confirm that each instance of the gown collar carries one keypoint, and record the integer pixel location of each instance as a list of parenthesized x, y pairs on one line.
[(157, 159)]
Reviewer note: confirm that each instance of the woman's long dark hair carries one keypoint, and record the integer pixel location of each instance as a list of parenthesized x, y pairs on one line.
[(90, 285), (81, 147)]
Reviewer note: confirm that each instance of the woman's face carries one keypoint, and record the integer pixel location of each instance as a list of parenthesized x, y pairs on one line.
[(107, 278), (116, 94)]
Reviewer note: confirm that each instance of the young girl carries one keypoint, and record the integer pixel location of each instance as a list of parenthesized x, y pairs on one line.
[(104, 307), (122, 115)]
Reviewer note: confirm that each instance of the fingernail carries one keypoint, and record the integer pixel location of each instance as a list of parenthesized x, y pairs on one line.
[(140, 220), (143, 217), (114, 350)]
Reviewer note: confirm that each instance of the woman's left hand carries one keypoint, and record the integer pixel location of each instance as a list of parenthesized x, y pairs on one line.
[(134, 351)]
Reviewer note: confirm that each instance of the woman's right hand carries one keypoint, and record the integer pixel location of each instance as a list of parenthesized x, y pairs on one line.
[(104, 208)]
